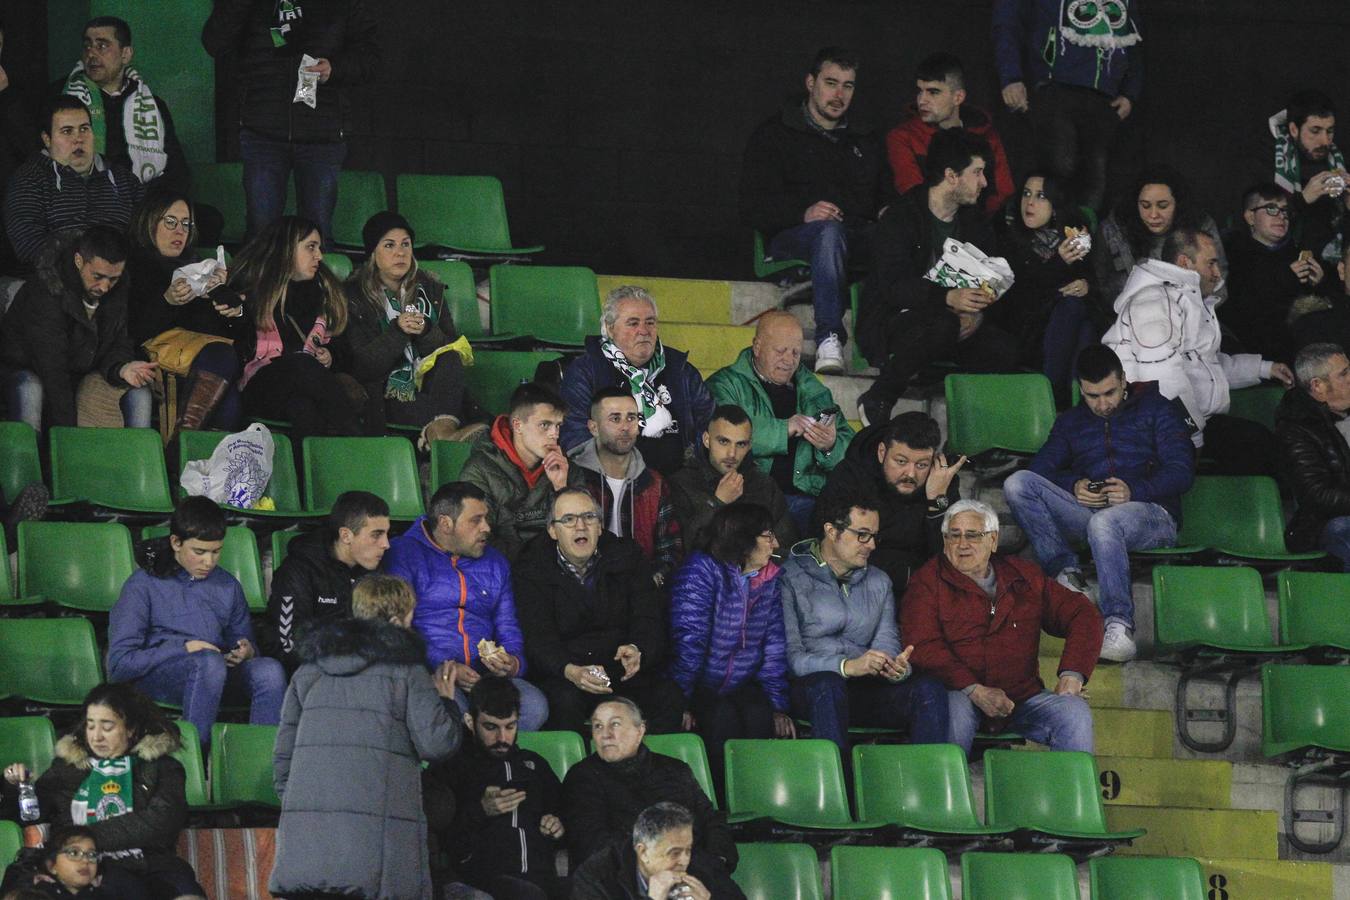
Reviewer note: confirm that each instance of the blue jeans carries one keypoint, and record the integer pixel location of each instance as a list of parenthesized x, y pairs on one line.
[(23, 396), (833, 703), (268, 165), (199, 681), (800, 507), (1336, 540), (825, 245), (1052, 518), (533, 704), (1068, 332), (1060, 721)]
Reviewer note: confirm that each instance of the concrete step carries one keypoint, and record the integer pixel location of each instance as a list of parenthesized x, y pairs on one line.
[(1236, 833), (1132, 732), (1145, 781), (1263, 879), (1105, 688)]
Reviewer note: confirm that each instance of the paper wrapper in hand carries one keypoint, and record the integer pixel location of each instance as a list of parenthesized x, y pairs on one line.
[(965, 266), (307, 83), (199, 273)]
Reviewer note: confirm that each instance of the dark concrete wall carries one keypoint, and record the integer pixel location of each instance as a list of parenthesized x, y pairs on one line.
[(617, 127)]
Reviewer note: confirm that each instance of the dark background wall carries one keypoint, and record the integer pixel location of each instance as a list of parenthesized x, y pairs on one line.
[(617, 127)]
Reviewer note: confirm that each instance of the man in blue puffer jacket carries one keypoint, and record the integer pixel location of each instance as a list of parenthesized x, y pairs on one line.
[(1112, 472), (465, 610)]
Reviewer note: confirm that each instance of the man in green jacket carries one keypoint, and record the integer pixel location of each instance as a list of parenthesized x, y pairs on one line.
[(799, 432)]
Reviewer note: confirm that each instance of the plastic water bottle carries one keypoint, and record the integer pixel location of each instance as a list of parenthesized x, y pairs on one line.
[(28, 802)]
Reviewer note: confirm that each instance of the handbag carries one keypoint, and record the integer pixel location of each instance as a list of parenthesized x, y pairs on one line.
[(176, 348)]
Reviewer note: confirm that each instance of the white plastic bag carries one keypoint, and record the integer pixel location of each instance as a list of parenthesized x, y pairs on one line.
[(237, 472), (964, 265), (307, 83), (199, 273)]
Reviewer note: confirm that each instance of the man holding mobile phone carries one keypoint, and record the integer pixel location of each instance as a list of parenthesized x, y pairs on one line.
[(1111, 473)]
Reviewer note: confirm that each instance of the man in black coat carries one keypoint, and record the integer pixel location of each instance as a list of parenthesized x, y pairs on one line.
[(905, 321), (592, 620), (605, 792), (495, 808), (897, 464), (1311, 427)]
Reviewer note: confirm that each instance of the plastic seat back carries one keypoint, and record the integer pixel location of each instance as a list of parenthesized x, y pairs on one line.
[(1305, 706), (778, 872), (8, 596), (922, 785), (562, 749), (385, 466), (1053, 791), (190, 755), (363, 196), (689, 749), (280, 540), (447, 461), (1146, 878), (1220, 606), (464, 212), (555, 304), (1240, 515), (283, 487), (49, 660), (120, 468), (241, 764), (79, 565), (1315, 608), (1018, 876), (461, 294), (889, 873), (798, 781), (765, 267), (495, 374), (1256, 404), (1010, 412), (11, 842), (340, 264), (222, 185), (29, 740), (19, 462)]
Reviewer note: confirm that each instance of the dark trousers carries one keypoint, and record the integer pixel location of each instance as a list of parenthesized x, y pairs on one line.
[(157, 877), (1236, 446), (833, 704), (1074, 128), (919, 337), (269, 164), (570, 708), (1068, 331), (442, 394), (742, 713), (535, 886), (298, 388)]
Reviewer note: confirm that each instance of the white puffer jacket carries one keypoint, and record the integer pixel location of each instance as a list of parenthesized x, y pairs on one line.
[(1165, 331)]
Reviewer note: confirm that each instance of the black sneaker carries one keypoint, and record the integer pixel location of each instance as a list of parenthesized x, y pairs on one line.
[(30, 504), (874, 406)]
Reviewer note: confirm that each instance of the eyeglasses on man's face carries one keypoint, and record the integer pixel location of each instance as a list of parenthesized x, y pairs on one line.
[(969, 537), (864, 537), (586, 518), (1272, 210)]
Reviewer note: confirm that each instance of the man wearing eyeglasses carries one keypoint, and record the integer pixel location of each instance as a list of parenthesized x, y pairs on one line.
[(975, 621), (592, 619), (843, 645), (1268, 268)]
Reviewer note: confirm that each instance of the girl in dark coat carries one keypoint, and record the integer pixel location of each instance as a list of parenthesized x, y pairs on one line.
[(67, 868)]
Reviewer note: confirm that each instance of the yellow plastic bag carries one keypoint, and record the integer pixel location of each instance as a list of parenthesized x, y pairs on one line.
[(460, 345)]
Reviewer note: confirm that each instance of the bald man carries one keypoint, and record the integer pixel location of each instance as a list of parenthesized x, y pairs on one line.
[(799, 432)]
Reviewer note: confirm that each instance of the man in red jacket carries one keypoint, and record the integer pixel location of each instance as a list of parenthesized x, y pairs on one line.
[(938, 105), (975, 622)]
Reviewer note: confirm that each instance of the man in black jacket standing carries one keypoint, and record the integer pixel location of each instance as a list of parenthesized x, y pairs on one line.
[(1311, 425), (294, 116), (814, 182), (906, 321)]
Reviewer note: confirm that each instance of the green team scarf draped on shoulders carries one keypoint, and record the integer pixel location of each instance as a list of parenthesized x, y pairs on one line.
[(285, 17), (142, 124), (1288, 165), (105, 792), (1104, 24), (652, 398), (402, 383)]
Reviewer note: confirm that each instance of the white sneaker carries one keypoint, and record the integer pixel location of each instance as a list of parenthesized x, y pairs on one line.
[(1073, 580), (1117, 645), (830, 355)]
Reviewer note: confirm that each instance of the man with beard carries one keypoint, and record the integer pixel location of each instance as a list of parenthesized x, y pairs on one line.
[(898, 464), (1309, 165)]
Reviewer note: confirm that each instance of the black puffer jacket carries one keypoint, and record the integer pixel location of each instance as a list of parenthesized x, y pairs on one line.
[(341, 31), (309, 588), (1317, 460)]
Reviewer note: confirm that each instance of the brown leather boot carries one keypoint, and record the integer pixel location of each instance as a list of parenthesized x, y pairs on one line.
[(204, 392)]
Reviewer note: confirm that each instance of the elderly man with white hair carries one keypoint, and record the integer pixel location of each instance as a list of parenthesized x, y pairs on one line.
[(975, 620), (673, 403)]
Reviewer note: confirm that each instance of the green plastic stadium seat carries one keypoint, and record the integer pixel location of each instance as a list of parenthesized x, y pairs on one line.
[(361, 195), (19, 461), (52, 661), (1018, 876), (555, 304), (562, 749), (1236, 516), (767, 268), (8, 596), (1054, 794), (280, 540), (689, 749), (923, 787), (1256, 404), (1305, 706), (78, 565), (1315, 609), (1218, 607), (340, 264), (29, 740), (11, 842), (799, 783), (1146, 878), (889, 873), (190, 755), (461, 294), (238, 556), (778, 872), (385, 466), (465, 213), (222, 185), (1010, 412), (447, 461), (283, 487), (118, 468), (495, 375), (241, 764)]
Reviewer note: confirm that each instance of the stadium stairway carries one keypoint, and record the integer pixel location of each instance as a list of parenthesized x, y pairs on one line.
[(1225, 809)]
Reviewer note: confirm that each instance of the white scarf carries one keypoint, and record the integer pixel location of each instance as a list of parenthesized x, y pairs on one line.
[(142, 125)]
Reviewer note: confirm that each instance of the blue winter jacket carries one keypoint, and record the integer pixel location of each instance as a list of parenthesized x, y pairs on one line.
[(460, 600), (1030, 46), (1146, 444), (155, 617), (726, 628)]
